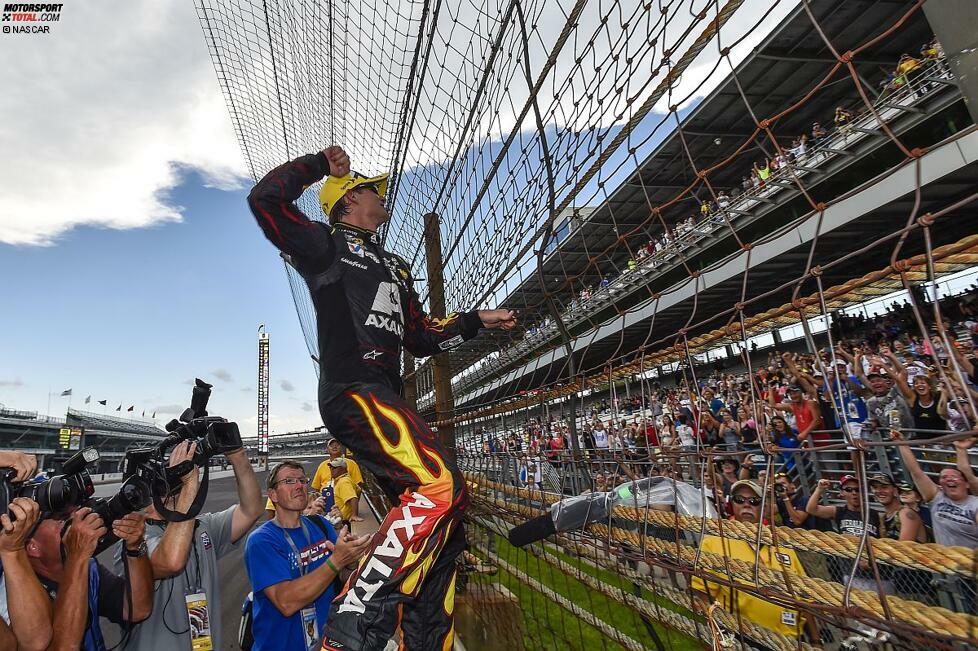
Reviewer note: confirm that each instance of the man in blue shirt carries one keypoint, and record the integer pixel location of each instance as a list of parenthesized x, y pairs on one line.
[(292, 562)]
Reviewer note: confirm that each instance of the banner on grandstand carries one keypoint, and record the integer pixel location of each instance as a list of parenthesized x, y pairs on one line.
[(70, 438), (262, 390)]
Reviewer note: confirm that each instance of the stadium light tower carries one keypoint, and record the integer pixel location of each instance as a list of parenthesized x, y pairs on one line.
[(262, 397)]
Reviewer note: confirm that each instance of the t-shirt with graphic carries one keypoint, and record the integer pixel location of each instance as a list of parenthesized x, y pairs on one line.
[(601, 439), (954, 522), (851, 523), (892, 404), (270, 560)]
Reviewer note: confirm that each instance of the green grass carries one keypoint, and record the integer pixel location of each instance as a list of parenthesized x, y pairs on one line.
[(546, 625), (619, 581)]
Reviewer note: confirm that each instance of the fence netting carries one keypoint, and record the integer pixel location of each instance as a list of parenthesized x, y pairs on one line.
[(650, 467)]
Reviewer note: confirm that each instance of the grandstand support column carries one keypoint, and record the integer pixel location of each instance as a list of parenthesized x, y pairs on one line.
[(440, 364), (410, 380), (955, 24)]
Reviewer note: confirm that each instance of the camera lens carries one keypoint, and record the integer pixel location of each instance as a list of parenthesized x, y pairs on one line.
[(55, 495)]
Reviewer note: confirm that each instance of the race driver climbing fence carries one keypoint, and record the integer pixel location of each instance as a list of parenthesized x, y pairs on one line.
[(502, 117)]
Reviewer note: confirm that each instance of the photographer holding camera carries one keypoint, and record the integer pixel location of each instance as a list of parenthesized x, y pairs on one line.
[(83, 589), (26, 620), (184, 555)]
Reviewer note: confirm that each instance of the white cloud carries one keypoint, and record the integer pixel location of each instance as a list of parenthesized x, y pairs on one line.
[(287, 386), (100, 118), (222, 374), (15, 383)]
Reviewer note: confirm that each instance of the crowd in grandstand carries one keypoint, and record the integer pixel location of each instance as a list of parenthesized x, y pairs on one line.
[(776, 167), (779, 444)]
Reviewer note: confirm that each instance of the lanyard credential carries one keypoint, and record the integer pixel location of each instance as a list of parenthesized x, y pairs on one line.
[(295, 550), (310, 629)]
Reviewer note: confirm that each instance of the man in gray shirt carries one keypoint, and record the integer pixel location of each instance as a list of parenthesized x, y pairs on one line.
[(184, 555)]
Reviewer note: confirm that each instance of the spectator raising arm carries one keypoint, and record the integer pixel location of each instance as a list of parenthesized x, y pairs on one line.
[(818, 510), (897, 371), (30, 607), (925, 485), (961, 448)]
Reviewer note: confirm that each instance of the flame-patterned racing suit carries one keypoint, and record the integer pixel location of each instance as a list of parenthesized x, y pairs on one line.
[(366, 309)]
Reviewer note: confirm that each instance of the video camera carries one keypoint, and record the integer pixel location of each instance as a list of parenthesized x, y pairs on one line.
[(214, 435)]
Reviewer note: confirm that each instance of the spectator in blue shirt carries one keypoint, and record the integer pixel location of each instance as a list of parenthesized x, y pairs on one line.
[(293, 562)]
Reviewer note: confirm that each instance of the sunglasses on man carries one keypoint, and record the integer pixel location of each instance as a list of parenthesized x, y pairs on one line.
[(740, 499)]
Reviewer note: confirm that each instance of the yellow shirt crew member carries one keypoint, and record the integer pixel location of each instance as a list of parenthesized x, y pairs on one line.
[(759, 611), (323, 476)]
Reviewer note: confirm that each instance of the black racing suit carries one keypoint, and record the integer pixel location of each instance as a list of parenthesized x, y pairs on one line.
[(366, 309)]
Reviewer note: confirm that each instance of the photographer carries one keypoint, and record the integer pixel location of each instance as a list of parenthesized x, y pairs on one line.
[(293, 562), (184, 556), (27, 618), (84, 589)]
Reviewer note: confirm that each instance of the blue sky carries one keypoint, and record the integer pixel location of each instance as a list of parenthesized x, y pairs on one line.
[(129, 261), (130, 315)]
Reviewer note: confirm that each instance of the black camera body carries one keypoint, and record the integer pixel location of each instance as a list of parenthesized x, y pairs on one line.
[(214, 435), (73, 487), (146, 477)]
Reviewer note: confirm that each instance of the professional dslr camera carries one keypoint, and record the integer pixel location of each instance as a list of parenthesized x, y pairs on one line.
[(146, 477), (57, 494)]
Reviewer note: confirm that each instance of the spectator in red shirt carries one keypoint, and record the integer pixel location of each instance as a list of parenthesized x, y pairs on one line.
[(808, 416), (555, 445)]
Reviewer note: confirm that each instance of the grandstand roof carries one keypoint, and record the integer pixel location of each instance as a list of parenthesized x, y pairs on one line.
[(779, 72), (107, 425)]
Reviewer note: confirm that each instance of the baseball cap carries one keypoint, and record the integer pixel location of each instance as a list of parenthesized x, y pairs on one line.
[(882, 478), (338, 462), (848, 478), (876, 372), (905, 487), (334, 187), (749, 484)]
